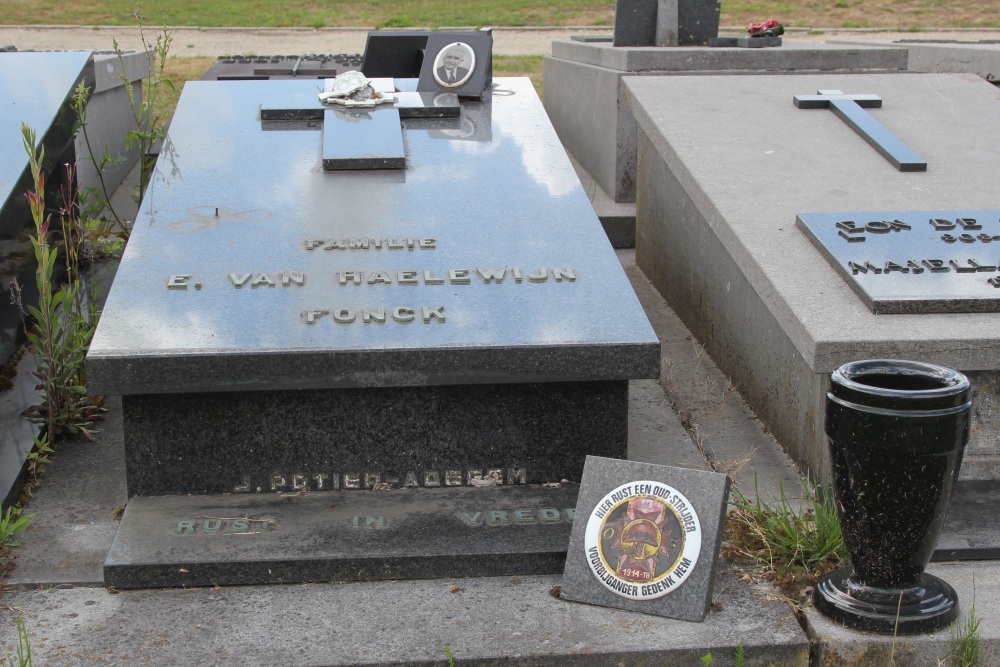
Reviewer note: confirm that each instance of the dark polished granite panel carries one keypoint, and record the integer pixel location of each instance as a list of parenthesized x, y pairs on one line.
[(341, 536), (33, 90), (482, 261), (284, 441), (362, 139)]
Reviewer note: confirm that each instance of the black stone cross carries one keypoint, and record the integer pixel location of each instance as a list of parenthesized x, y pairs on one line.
[(363, 138), (850, 109)]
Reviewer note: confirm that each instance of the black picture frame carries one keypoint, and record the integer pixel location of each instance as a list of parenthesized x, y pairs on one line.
[(476, 50)]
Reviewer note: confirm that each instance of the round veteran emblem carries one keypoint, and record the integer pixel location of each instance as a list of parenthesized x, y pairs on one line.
[(643, 540)]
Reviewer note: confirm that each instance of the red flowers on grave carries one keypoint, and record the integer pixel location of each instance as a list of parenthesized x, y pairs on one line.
[(769, 28)]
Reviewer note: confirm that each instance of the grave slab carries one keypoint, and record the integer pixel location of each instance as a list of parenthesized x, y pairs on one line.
[(365, 536), (728, 257), (939, 56), (415, 328), (585, 99), (35, 89)]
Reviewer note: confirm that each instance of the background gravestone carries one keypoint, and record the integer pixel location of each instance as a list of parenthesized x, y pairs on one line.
[(35, 89), (666, 22), (772, 311)]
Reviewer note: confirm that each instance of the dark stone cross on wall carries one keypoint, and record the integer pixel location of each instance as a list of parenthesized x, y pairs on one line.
[(851, 109), (358, 138)]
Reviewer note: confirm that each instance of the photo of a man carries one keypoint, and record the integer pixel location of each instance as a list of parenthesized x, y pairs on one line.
[(454, 64)]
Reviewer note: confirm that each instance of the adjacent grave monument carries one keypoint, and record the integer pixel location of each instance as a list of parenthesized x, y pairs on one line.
[(882, 263), (35, 89), (276, 328)]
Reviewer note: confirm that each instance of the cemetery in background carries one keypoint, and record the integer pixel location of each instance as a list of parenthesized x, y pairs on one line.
[(711, 262)]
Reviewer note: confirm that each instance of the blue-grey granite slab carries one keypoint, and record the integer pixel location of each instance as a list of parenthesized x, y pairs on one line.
[(34, 88), (249, 268), (341, 536), (930, 261), (362, 139)]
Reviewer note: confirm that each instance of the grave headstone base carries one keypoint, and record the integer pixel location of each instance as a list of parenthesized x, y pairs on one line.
[(341, 536), (276, 441)]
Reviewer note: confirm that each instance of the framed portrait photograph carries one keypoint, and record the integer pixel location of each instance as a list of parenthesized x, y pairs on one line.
[(457, 63), (454, 65)]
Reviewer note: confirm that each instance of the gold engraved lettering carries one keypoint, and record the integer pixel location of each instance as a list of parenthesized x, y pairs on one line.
[(410, 481), (459, 276), (320, 480), (293, 278), (453, 478), (406, 277), (524, 516), (371, 480), (300, 481), (497, 518), (548, 515), (431, 478), (239, 279), (353, 276), (492, 275), (539, 276), (403, 315), (427, 314), (352, 480), (278, 481), (517, 475), (431, 279), (379, 277), (262, 280), (343, 316), (369, 315), (312, 315), (564, 274), (179, 281)]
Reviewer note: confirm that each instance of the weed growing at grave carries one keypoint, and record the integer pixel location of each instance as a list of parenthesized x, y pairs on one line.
[(150, 125), (451, 659), (60, 334), (965, 648), (795, 547), (12, 522), (739, 657), (23, 646)]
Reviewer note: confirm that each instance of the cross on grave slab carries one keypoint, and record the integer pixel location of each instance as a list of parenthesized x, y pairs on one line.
[(363, 138), (850, 109)]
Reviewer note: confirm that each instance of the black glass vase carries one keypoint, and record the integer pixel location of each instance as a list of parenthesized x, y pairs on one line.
[(897, 431)]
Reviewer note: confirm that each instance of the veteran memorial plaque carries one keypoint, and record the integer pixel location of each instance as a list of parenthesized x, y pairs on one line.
[(646, 538), (275, 328), (913, 261)]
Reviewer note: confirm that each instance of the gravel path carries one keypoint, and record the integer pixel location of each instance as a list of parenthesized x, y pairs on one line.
[(220, 41)]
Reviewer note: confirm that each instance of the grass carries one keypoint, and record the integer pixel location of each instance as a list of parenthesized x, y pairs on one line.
[(792, 547), (180, 69), (904, 14)]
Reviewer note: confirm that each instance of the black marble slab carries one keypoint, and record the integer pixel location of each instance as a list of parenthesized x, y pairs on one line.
[(362, 139), (250, 268), (341, 536), (930, 261), (279, 441), (635, 23)]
